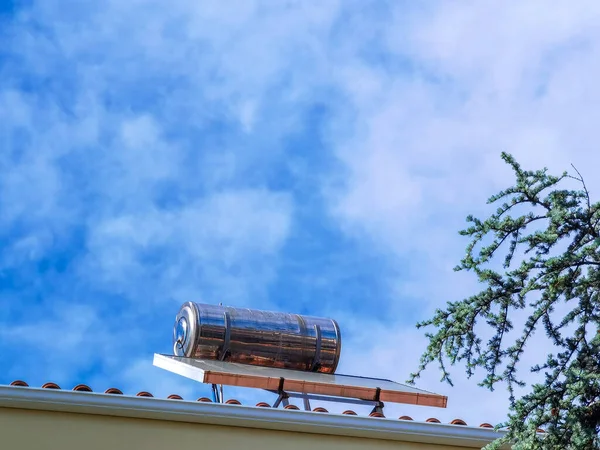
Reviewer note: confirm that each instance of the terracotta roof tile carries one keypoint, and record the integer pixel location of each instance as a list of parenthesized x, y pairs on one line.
[(82, 388), (113, 391), (144, 394), (86, 388), (458, 422)]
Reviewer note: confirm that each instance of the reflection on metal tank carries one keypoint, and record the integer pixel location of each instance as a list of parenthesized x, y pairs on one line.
[(263, 338)]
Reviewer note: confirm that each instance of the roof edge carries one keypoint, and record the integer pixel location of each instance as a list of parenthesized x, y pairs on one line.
[(243, 416)]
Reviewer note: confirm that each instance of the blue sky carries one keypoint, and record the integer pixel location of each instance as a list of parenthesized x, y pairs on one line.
[(306, 159)]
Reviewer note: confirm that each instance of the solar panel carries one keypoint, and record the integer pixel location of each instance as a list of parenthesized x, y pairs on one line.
[(307, 383)]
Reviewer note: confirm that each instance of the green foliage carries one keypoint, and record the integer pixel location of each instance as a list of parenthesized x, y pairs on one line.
[(550, 264)]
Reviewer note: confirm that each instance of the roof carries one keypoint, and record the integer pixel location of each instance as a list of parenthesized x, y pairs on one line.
[(233, 401), (81, 399)]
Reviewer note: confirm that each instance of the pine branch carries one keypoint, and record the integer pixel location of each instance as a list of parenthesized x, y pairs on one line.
[(551, 276)]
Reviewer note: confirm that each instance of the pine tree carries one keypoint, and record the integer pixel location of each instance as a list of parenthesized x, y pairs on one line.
[(538, 260)]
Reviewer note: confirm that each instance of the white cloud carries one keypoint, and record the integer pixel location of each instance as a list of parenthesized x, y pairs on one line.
[(229, 241)]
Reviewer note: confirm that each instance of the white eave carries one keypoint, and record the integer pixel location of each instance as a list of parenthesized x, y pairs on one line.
[(244, 416)]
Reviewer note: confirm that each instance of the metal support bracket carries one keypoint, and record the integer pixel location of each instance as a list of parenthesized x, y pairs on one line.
[(282, 395), (217, 395), (283, 398), (378, 403)]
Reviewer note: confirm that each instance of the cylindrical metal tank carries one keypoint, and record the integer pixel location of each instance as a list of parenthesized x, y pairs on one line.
[(262, 338)]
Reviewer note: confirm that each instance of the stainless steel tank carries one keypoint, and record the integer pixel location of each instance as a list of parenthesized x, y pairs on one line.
[(262, 338)]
